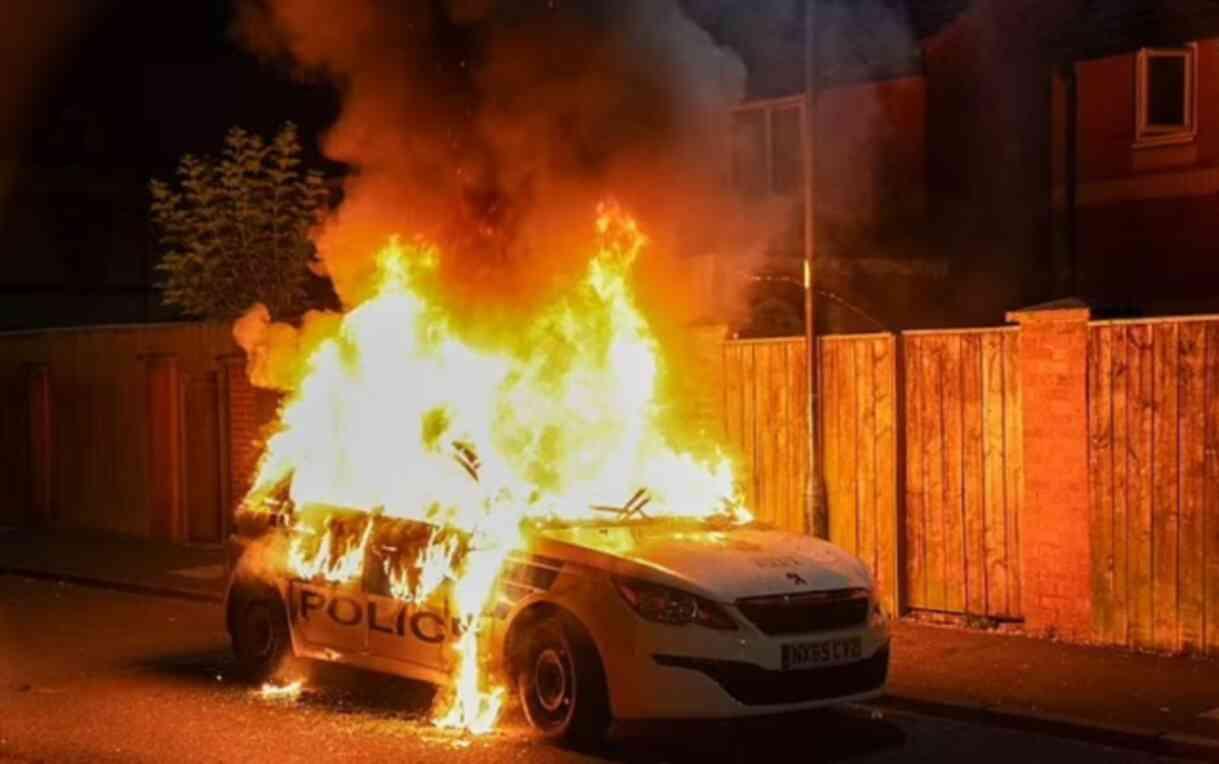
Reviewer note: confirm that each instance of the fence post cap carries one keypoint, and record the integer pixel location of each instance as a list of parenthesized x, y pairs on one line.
[(1069, 310)]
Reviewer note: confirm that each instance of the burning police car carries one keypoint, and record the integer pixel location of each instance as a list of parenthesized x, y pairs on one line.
[(627, 617)]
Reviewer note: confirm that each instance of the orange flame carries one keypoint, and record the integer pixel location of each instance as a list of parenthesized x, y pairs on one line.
[(337, 559), (561, 415)]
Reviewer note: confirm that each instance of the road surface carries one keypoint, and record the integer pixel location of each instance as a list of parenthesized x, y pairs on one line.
[(92, 675)]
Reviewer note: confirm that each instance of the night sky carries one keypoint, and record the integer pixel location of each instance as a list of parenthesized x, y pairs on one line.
[(103, 95), (152, 80), (120, 90), (146, 81)]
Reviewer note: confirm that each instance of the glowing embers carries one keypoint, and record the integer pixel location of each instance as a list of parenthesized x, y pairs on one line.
[(288, 693)]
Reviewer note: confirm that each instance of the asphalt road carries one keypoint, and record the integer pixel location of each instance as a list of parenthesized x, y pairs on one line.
[(101, 676)]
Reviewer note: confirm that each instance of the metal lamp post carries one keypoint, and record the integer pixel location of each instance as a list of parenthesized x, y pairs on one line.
[(817, 518)]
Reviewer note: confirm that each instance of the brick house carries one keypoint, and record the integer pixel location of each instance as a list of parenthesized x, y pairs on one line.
[(932, 151), (875, 267), (1135, 151)]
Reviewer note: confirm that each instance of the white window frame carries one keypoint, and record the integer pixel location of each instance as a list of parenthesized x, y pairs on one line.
[(1165, 135), (767, 107)]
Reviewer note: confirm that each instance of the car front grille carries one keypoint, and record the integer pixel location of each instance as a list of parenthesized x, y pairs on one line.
[(756, 686), (807, 613)]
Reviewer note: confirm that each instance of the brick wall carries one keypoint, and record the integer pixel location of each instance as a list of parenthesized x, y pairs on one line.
[(163, 390), (242, 427), (1056, 552), (40, 445)]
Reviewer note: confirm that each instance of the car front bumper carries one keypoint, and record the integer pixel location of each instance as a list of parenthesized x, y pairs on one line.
[(751, 685), (691, 672), (685, 688)]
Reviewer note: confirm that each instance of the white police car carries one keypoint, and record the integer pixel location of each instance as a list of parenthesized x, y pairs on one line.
[(627, 618)]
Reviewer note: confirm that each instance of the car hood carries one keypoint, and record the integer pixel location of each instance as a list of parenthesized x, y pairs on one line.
[(721, 563)]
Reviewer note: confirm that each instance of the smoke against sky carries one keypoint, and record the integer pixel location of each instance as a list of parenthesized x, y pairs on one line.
[(48, 29), (29, 61), (493, 127)]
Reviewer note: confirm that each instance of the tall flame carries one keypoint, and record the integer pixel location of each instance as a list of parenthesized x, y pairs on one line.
[(397, 413)]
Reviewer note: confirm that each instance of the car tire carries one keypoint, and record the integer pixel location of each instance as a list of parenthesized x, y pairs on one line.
[(259, 631), (561, 683)]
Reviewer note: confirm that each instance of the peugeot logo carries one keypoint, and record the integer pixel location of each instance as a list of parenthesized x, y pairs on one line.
[(796, 579)]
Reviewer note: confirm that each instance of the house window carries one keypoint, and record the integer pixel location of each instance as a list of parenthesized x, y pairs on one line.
[(768, 153), (1166, 96), (768, 161)]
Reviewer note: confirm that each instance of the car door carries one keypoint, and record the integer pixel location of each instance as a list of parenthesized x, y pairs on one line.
[(399, 630), (331, 615)]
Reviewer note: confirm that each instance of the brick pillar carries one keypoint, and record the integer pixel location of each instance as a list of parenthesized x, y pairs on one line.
[(1056, 551), (38, 394), (163, 393), (241, 427)]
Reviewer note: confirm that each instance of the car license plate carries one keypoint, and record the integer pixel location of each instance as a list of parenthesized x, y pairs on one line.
[(827, 652)]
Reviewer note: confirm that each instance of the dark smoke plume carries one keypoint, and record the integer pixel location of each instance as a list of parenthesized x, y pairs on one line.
[(493, 128)]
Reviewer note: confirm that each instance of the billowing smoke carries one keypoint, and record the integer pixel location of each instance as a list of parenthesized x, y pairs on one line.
[(29, 59), (493, 127)]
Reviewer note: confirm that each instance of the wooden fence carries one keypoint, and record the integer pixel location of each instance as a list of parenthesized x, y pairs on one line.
[(99, 425), (765, 405), (964, 472), (205, 472), (921, 440), (858, 383), (1153, 390), (948, 542), (936, 502), (16, 466)]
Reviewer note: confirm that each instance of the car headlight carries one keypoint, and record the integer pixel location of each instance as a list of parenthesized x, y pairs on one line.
[(661, 604)]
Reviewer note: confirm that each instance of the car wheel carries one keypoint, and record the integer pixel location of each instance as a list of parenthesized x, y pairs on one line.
[(260, 636), (562, 684)]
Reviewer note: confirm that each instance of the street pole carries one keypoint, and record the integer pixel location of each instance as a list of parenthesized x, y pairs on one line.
[(817, 518)]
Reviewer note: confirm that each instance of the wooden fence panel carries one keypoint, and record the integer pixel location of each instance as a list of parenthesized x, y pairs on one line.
[(1210, 498), (859, 449), (886, 566), (913, 523), (973, 476), (204, 473), (931, 430), (1165, 500), (994, 493), (954, 393), (99, 457), (964, 472), (1140, 476), (1100, 485), (1013, 468), (1153, 391), (1192, 429), (1121, 435), (765, 416), (16, 474)]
